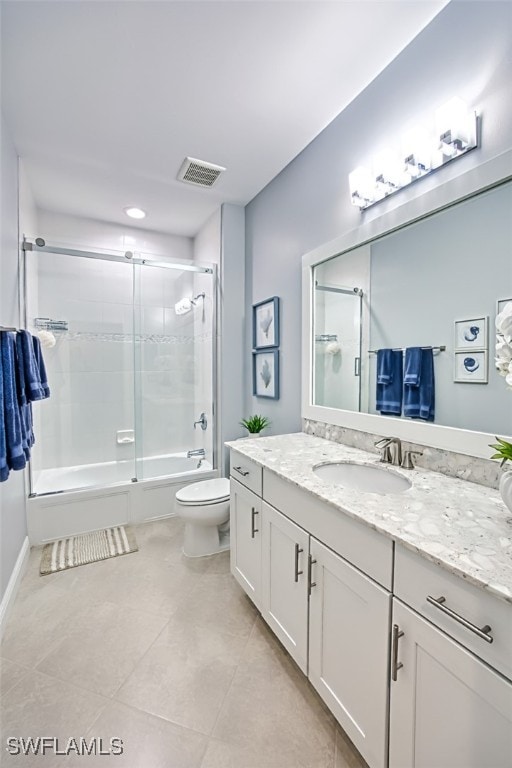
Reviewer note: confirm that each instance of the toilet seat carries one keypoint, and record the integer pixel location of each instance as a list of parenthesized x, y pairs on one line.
[(204, 493)]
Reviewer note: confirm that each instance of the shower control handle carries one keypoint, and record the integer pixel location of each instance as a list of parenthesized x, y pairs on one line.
[(202, 421)]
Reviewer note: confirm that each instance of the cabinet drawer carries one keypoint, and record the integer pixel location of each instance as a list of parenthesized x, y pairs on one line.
[(246, 472), (368, 550), (417, 578)]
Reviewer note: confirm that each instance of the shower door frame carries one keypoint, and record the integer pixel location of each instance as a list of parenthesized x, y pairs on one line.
[(135, 259)]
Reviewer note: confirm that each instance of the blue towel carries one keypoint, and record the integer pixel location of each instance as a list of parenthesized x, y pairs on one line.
[(419, 384), (25, 348), (4, 469), (389, 381), (24, 409), (15, 455), (43, 379), (412, 368)]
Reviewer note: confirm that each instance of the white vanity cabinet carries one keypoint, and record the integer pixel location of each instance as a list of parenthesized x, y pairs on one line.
[(285, 559), (414, 661), (312, 598), (448, 709), (348, 649), (450, 704), (245, 534)]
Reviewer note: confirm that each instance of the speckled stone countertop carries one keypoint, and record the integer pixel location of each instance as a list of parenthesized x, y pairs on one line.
[(461, 526)]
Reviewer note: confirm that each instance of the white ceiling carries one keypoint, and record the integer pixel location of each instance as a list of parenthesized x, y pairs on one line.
[(105, 99)]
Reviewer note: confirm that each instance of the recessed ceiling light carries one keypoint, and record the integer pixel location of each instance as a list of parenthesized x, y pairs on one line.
[(135, 213)]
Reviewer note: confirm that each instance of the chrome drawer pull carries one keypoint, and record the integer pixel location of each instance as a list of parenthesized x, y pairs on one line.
[(483, 633), (254, 530), (298, 550), (241, 471), (311, 584), (396, 665)]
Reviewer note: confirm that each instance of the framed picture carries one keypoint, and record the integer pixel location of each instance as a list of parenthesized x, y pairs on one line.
[(500, 305), (471, 367), (265, 323), (471, 334), (265, 374)]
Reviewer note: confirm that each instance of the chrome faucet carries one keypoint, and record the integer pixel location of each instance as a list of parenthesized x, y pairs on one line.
[(200, 452), (390, 456), (202, 421)]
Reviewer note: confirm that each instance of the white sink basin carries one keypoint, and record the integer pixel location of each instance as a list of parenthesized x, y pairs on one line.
[(362, 477)]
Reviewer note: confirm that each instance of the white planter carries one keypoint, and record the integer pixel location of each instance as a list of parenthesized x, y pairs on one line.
[(506, 488)]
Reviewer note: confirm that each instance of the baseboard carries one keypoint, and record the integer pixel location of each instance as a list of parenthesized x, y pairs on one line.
[(14, 583)]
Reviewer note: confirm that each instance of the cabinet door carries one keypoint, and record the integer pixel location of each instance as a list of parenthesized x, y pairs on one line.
[(284, 582), (348, 650), (448, 709), (245, 535)]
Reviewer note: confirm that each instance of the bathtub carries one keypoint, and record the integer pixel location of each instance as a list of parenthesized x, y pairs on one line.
[(71, 500)]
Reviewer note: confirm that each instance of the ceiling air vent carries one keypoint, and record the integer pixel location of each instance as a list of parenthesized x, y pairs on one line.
[(198, 172)]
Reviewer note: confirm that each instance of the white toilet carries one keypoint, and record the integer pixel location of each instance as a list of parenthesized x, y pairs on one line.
[(204, 507)]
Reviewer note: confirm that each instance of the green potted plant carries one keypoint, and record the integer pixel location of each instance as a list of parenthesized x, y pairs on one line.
[(255, 424)]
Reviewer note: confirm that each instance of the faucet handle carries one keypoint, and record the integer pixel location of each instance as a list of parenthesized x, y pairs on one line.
[(407, 462), (385, 445), (386, 457)]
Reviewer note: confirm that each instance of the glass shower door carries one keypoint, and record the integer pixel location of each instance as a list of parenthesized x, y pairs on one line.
[(337, 326), (85, 430), (174, 364)]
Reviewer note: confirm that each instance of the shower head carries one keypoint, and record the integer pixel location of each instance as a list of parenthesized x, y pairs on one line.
[(185, 305)]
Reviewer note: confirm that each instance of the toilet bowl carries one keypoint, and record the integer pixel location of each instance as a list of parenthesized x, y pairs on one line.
[(204, 507)]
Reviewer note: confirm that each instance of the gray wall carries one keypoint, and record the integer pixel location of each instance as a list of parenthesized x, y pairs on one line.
[(13, 527), (233, 324), (465, 51)]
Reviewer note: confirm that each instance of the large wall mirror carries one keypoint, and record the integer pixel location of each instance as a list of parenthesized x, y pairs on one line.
[(436, 283)]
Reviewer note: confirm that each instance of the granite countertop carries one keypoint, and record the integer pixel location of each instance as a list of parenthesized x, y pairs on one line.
[(461, 526)]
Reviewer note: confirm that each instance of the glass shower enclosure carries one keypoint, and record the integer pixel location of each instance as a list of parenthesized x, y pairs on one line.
[(337, 340), (129, 347)]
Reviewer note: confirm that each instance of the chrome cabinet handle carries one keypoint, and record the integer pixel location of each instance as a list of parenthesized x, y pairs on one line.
[(311, 584), (298, 550), (396, 665), (241, 471), (254, 530), (483, 632)]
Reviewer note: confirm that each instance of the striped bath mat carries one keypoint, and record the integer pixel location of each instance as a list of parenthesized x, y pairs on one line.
[(87, 548)]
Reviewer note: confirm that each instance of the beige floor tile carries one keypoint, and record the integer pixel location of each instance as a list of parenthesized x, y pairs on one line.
[(219, 563), (158, 587), (347, 755), (41, 706), (10, 674), (102, 647), (182, 654), (222, 754), (185, 675), (148, 741), (217, 602), (271, 706), (38, 621)]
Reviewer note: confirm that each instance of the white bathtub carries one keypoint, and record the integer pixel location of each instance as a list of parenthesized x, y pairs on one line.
[(71, 500)]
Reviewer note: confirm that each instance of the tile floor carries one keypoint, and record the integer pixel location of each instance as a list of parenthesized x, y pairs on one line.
[(165, 653)]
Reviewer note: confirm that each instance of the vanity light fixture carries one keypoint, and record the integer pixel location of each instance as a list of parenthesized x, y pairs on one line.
[(454, 134), (135, 213)]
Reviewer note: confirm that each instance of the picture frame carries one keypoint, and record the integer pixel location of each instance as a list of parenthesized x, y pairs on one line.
[(471, 334), (500, 305), (265, 323), (265, 374), (471, 367)]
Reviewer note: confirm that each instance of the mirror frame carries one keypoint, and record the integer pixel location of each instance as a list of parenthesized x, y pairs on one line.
[(490, 174)]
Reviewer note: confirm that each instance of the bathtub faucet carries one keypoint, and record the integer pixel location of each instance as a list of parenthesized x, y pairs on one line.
[(200, 452)]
